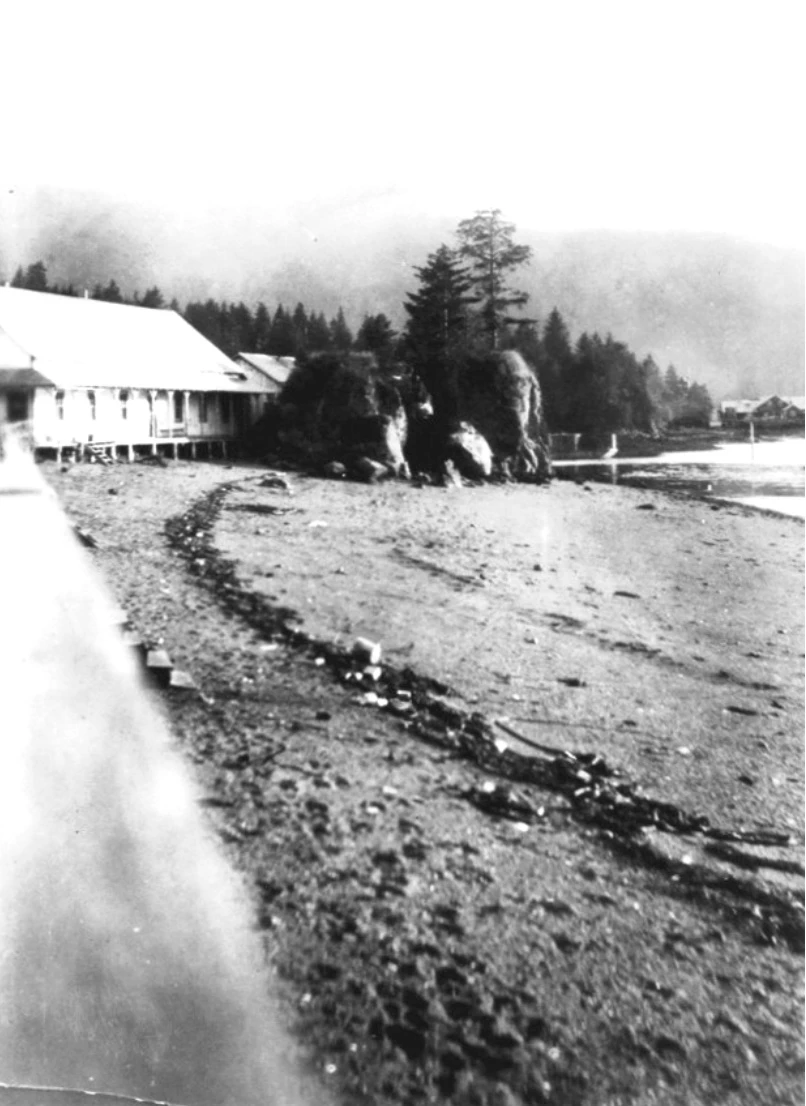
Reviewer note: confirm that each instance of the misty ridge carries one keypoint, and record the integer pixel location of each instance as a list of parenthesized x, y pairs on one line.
[(727, 312)]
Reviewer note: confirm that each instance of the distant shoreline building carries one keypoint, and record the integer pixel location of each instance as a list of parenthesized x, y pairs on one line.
[(83, 375), (773, 411)]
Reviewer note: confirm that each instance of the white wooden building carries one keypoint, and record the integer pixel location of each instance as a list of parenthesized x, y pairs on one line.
[(82, 375), (276, 370)]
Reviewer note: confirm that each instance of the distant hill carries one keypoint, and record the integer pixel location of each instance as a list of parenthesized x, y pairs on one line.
[(728, 313)]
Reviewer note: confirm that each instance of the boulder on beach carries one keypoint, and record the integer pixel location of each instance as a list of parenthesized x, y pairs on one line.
[(470, 452), (337, 407), (499, 396)]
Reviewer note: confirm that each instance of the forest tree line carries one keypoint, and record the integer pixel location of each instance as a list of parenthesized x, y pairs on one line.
[(466, 305), (463, 306)]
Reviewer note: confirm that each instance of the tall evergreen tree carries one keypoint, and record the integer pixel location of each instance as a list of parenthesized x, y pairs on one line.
[(206, 318), (438, 330), (34, 278), (241, 325), (299, 322), (261, 329), (341, 336), (556, 340), (111, 293), (375, 335), (554, 363), (281, 335), (438, 323), (152, 297), (319, 336), (486, 242)]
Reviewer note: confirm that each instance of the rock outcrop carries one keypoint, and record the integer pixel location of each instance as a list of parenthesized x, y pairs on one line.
[(499, 396), (338, 407)]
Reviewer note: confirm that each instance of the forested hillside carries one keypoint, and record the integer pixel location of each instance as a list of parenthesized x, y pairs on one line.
[(728, 313)]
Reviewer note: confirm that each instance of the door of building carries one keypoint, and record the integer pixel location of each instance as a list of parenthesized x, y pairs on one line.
[(18, 405)]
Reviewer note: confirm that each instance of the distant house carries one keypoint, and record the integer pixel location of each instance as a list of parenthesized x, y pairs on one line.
[(775, 410), (735, 411), (276, 370), (795, 411), (82, 374)]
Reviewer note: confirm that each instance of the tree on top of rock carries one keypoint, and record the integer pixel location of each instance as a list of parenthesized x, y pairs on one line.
[(486, 243), (375, 335), (438, 312)]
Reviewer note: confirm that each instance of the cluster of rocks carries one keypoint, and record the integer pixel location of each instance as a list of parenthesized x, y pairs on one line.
[(339, 414)]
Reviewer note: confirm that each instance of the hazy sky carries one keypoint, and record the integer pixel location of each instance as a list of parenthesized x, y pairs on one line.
[(659, 114)]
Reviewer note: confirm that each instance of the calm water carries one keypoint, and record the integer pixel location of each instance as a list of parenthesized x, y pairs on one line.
[(769, 474)]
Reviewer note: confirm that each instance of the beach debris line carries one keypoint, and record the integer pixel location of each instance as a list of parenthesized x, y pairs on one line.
[(599, 794), (502, 801)]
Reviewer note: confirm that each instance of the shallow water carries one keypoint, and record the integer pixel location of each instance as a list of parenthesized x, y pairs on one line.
[(767, 474)]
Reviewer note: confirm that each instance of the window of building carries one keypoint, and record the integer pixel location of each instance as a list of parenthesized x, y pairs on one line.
[(124, 403), (179, 406), (91, 398), (226, 407), (60, 405), (202, 407)]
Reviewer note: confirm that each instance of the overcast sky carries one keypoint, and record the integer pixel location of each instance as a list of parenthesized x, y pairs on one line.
[(658, 114)]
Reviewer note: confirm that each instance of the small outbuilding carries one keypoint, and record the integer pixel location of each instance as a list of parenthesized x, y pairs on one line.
[(276, 370), (84, 375)]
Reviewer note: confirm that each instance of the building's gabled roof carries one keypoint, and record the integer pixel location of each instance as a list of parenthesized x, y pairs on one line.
[(751, 406), (277, 369), (740, 406), (84, 343)]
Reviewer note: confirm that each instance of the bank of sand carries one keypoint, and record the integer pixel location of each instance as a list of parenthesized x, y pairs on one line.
[(429, 951)]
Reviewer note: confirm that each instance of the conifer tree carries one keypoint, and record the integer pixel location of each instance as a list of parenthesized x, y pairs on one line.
[(486, 243), (438, 331), (438, 324), (281, 336), (299, 323), (556, 340), (152, 297), (110, 294), (34, 278), (340, 334), (375, 335), (318, 337), (261, 329)]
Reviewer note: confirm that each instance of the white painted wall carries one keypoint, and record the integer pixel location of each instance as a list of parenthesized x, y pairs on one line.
[(79, 421)]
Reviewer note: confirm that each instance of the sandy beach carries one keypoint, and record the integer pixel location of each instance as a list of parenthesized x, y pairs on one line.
[(429, 947)]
